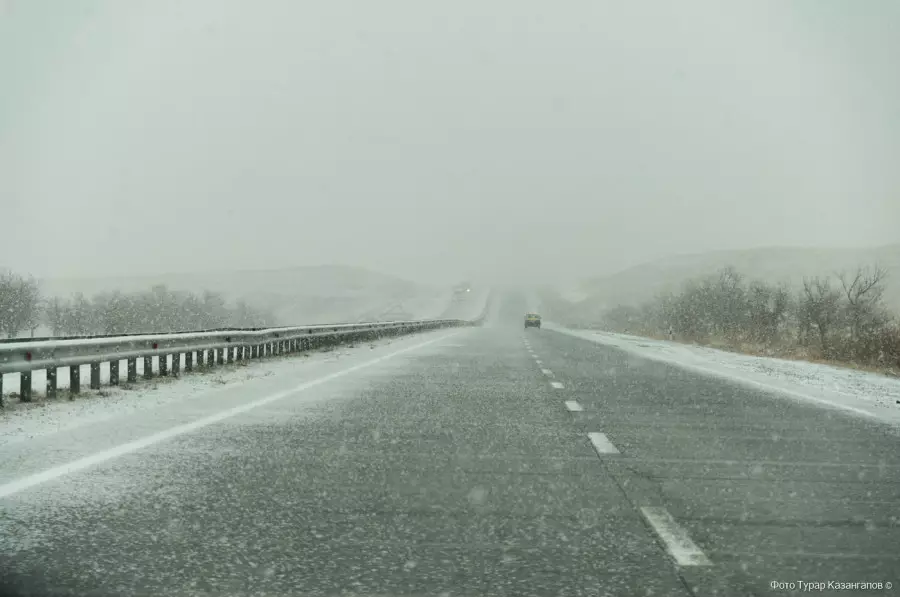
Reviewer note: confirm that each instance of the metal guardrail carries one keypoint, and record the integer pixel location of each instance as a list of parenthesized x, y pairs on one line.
[(209, 347)]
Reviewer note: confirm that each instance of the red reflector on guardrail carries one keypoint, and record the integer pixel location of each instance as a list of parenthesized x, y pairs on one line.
[(155, 345), (27, 356)]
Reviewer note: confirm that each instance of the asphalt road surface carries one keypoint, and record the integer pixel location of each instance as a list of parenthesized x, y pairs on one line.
[(490, 461)]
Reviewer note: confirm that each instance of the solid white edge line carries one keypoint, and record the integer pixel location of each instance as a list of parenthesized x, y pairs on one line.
[(556, 385), (547, 372), (602, 444), (677, 541), (15, 486), (573, 406)]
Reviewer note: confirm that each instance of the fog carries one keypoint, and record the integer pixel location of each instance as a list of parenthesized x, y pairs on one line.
[(495, 140)]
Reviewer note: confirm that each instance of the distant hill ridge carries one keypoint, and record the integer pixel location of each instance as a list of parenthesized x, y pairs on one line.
[(772, 264)]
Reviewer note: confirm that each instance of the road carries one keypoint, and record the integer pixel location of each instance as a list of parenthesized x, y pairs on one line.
[(487, 461)]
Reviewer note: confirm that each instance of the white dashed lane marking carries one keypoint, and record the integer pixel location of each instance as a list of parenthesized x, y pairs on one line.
[(547, 372), (602, 443), (556, 385), (677, 541), (573, 406), (538, 361)]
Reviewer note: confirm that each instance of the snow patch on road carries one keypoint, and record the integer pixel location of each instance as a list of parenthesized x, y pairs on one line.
[(859, 392)]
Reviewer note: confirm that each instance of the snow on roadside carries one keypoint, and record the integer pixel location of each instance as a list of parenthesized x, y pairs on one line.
[(859, 392)]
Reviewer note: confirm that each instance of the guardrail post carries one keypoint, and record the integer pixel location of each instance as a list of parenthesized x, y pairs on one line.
[(189, 360), (132, 370), (163, 365), (95, 376), (200, 355), (221, 356), (176, 364), (254, 352), (148, 367), (51, 382), (25, 386), (114, 372), (230, 354), (74, 380)]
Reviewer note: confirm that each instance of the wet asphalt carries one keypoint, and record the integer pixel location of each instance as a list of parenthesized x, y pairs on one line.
[(465, 473)]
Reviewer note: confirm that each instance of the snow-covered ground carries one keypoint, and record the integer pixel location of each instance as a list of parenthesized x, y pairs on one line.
[(862, 393)]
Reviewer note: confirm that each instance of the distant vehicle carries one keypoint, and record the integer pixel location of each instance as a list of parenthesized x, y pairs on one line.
[(532, 320), (462, 288)]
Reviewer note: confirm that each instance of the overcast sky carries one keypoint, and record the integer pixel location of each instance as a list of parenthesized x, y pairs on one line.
[(437, 140)]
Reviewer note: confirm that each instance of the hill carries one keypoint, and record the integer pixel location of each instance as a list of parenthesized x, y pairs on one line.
[(773, 264)]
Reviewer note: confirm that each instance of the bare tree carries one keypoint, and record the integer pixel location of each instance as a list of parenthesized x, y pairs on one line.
[(767, 311), (865, 314), (80, 320), (215, 312), (820, 308), (20, 302), (54, 313)]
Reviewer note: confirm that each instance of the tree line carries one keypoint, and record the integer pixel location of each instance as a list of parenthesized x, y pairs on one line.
[(23, 308), (841, 317)]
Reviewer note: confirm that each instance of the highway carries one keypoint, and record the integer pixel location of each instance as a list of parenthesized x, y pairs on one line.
[(482, 461)]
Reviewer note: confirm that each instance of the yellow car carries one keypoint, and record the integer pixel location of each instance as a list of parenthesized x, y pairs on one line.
[(532, 320)]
